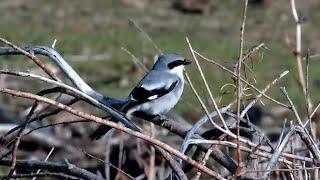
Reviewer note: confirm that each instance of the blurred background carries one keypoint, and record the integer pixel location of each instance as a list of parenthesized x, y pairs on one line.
[(95, 38), (91, 36)]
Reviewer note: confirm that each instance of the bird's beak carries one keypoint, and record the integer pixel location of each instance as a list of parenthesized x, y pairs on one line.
[(186, 62)]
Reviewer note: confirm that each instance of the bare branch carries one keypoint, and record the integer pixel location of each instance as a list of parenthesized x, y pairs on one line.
[(68, 169), (274, 158), (34, 58)]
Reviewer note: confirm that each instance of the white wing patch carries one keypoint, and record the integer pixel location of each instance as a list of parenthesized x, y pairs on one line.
[(153, 97)]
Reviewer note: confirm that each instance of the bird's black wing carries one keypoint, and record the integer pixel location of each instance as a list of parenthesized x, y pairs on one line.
[(144, 94)]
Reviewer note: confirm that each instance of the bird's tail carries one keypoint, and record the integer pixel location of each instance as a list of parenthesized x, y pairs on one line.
[(103, 129), (99, 132)]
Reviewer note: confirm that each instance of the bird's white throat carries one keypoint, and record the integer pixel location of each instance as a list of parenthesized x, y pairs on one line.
[(177, 71)]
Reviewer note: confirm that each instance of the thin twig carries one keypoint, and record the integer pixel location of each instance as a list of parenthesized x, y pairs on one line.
[(137, 61), (297, 51), (238, 84), (18, 138), (46, 159), (145, 34), (108, 163), (292, 107)]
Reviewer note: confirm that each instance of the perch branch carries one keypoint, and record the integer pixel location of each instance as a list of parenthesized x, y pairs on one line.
[(113, 125)]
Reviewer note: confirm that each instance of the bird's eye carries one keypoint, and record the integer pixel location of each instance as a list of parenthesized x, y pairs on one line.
[(175, 64)]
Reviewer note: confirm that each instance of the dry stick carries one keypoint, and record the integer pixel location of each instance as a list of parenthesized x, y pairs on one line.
[(297, 52), (243, 80), (308, 104), (42, 174), (136, 60), (203, 162), (172, 163), (282, 132), (18, 138), (34, 58), (262, 92), (305, 137), (151, 170), (307, 87), (108, 163), (315, 110), (207, 86), (54, 124), (46, 159), (292, 107), (68, 169), (113, 125), (274, 158), (284, 170), (145, 34), (308, 139), (253, 50), (239, 88), (234, 145)]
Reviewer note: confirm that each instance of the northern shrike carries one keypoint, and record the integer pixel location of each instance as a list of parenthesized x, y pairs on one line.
[(158, 91)]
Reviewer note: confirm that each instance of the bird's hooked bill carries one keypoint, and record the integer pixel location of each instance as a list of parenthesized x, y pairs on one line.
[(186, 62)]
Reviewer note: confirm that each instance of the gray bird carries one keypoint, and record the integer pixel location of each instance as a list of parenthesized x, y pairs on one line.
[(158, 91)]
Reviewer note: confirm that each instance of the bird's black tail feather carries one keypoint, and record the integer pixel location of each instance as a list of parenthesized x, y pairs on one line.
[(123, 107), (99, 132)]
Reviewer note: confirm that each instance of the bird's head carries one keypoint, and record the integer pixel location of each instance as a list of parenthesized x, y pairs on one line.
[(174, 63)]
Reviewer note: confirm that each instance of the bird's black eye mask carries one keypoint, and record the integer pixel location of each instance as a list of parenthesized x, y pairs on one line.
[(178, 63)]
